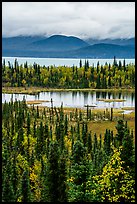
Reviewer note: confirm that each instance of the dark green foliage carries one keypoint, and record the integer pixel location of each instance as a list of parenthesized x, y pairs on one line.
[(127, 151), (80, 63), (95, 144), (80, 173), (8, 187), (66, 125), (62, 178), (89, 143), (100, 142), (120, 131), (78, 152), (107, 76), (111, 115), (25, 187), (53, 172), (115, 61), (28, 124), (53, 157), (8, 192), (107, 141), (84, 133)]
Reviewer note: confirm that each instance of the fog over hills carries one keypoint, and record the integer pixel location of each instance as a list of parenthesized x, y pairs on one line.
[(118, 41)]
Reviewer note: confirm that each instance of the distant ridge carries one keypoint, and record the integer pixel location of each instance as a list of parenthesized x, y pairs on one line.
[(19, 41), (118, 41), (103, 50), (61, 46), (59, 42)]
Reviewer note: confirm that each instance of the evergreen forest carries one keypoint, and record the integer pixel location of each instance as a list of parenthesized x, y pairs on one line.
[(49, 155), (118, 75)]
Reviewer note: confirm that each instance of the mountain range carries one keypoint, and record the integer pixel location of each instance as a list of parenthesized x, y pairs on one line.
[(61, 46)]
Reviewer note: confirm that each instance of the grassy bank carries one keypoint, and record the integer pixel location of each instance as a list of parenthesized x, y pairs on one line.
[(100, 126), (35, 102), (36, 90), (95, 126), (111, 100)]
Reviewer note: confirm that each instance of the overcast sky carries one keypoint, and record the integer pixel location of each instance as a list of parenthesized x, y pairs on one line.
[(81, 19)]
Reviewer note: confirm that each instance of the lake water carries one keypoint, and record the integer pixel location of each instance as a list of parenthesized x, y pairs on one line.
[(62, 61), (77, 99), (72, 99)]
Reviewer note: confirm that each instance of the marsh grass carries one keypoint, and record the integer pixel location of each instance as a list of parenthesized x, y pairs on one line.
[(128, 108), (36, 90), (36, 102), (111, 100), (99, 126)]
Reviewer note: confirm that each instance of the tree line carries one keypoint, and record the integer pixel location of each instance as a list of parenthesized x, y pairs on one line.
[(117, 75), (47, 156)]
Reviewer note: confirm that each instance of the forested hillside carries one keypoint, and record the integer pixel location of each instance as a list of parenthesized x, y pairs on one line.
[(50, 155)]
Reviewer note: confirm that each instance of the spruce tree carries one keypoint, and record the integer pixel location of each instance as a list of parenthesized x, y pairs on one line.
[(66, 125), (8, 193), (80, 63), (53, 171), (25, 187), (62, 178), (120, 132), (95, 143), (107, 142), (7, 190), (127, 152), (89, 144), (28, 124), (79, 174)]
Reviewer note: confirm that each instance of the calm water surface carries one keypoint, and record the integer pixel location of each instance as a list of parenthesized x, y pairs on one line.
[(72, 99), (77, 99), (62, 61)]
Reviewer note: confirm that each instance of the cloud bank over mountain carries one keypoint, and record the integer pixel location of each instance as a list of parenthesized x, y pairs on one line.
[(97, 20)]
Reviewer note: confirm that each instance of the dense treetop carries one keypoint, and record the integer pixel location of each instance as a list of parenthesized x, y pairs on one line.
[(50, 155), (117, 75)]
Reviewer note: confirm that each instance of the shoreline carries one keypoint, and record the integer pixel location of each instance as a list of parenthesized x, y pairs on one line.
[(37, 90)]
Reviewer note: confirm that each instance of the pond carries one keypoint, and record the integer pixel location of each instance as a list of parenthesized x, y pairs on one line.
[(62, 61), (78, 99)]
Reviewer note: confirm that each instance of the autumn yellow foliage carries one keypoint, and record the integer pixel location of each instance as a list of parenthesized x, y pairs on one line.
[(115, 184)]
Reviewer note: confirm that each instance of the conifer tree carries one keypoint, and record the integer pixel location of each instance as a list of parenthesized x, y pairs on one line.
[(79, 174), (95, 143), (84, 133), (62, 178), (25, 187), (8, 194), (28, 124), (66, 125), (100, 142), (89, 144), (78, 131), (45, 197), (80, 63), (85, 67), (107, 142), (53, 172), (127, 151), (111, 115), (37, 112), (120, 132)]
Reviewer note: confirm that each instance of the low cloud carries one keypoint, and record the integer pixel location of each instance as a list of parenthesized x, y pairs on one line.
[(82, 19)]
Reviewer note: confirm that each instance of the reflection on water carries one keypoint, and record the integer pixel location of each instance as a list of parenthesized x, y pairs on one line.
[(78, 99)]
